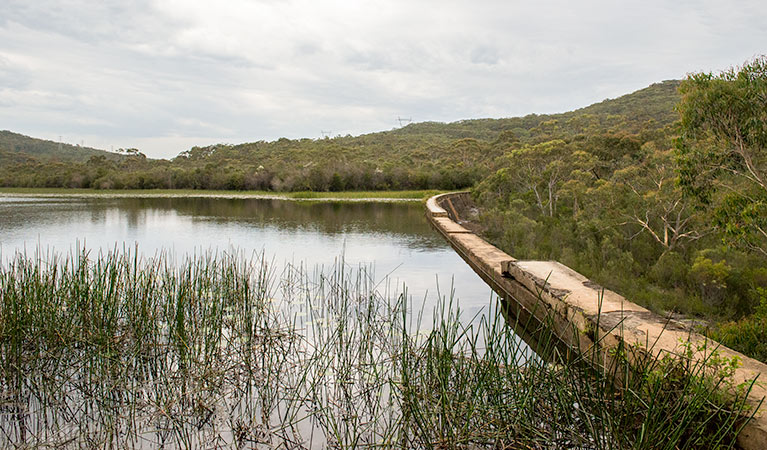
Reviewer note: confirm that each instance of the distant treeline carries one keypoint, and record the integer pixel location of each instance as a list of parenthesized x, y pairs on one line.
[(327, 168)]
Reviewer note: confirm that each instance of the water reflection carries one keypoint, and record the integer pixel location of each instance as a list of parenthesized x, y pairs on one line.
[(19, 216), (91, 397), (393, 240)]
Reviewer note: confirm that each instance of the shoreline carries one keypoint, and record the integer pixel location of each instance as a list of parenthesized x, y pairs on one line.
[(344, 196)]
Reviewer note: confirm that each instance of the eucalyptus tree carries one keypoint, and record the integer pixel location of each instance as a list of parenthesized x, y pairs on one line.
[(722, 150)]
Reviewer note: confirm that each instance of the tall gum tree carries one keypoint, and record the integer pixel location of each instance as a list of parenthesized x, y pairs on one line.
[(655, 203)]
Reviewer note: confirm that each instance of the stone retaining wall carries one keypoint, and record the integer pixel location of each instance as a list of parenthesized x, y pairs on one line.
[(552, 293)]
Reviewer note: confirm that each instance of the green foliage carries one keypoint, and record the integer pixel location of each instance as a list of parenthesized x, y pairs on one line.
[(749, 334), (743, 218), (670, 271), (645, 213), (613, 210), (711, 278), (722, 150)]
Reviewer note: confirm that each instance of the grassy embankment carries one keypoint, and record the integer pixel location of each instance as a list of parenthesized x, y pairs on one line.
[(225, 351), (414, 195)]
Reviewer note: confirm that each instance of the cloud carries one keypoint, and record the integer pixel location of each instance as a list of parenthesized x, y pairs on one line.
[(161, 72), (485, 55)]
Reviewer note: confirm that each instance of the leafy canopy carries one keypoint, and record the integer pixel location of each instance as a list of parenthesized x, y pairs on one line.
[(722, 150)]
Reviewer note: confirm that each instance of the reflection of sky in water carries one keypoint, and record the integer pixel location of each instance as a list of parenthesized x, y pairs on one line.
[(397, 242)]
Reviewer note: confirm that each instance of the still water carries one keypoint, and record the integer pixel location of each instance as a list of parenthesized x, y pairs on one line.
[(216, 377), (393, 241)]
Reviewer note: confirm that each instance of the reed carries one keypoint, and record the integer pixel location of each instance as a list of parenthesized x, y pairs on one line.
[(225, 350)]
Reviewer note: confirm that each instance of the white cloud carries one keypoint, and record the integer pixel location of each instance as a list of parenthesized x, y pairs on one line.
[(160, 74)]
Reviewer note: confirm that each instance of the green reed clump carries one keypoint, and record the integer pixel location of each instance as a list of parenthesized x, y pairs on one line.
[(220, 350)]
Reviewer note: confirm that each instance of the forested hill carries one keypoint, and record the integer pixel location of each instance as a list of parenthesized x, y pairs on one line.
[(652, 106), (424, 155), (649, 108), (16, 147), (418, 156)]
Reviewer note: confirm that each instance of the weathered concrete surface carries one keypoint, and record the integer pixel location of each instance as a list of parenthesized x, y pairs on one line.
[(434, 209), (449, 226), (582, 313)]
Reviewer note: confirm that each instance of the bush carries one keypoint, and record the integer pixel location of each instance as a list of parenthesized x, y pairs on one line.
[(710, 278), (748, 335), (670, 271)]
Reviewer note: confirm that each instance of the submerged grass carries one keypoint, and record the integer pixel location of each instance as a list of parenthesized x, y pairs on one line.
[(224, 351)]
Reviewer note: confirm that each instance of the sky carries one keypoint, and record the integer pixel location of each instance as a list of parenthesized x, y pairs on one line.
[(165, 75)]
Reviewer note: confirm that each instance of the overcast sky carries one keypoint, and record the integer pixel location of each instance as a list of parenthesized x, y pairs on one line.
[(163, 75)]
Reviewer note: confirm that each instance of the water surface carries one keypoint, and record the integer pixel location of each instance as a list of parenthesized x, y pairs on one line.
[(329, 353), (392, 240)]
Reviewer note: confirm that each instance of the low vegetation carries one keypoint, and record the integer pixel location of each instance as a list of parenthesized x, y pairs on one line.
[(117, 351)]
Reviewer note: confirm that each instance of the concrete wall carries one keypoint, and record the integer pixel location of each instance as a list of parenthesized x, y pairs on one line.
[(547, 293)]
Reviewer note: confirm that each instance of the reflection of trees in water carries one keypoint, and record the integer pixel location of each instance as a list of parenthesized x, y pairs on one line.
[(69, 210), (22, 214), (98, 214), (335, 217), (134, 216), (403, 219)]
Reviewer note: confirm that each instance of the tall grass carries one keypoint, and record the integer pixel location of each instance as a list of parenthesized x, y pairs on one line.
[(227, 351)]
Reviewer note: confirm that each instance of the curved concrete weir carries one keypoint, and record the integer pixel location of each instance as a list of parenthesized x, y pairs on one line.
[(554, 294)]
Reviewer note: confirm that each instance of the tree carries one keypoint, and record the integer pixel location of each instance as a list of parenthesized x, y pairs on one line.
[(655, 203), (541, 171), (722, 150)]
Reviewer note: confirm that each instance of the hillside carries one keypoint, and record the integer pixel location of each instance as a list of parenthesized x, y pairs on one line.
[(423, 155), (652, 106), (16, 147), (419, 156)]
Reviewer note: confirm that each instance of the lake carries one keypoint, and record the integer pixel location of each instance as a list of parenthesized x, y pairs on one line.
[(180, 354), (393, 241)]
